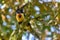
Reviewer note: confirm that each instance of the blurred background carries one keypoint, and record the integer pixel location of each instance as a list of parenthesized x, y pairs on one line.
[(43, 16)]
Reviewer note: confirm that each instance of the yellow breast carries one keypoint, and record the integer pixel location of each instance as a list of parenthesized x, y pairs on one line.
[(19, 17)]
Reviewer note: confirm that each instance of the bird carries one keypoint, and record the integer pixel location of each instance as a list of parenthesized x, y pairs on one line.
[(19, 15)]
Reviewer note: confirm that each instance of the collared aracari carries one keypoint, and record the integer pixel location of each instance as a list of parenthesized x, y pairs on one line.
[(19, 13)]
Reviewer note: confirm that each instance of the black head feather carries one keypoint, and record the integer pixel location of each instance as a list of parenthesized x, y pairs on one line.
[(19, 11)]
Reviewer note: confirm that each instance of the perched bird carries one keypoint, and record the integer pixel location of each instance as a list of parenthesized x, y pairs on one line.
[(19, 15)]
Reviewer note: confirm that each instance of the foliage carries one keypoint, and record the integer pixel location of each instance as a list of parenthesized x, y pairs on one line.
[(41, 16)]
